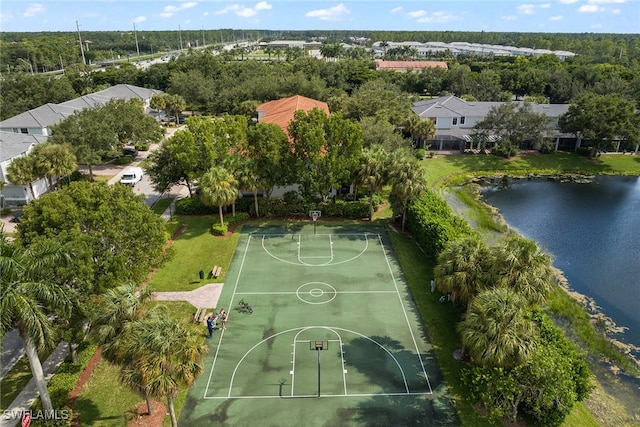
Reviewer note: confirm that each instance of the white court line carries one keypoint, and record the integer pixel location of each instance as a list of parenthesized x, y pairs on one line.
[(366, 235), (332, 329), (215, 357), (297, 293), (406, 316), (328, 263)]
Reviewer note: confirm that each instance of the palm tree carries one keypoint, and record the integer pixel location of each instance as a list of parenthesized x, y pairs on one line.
[(371, 172), (408, 181), (464, 268), (162, 356), (56, 160), (218, 188), (27, 300), (248, 178), (522, 266), (498, 331), (23, 171), (119, 307)]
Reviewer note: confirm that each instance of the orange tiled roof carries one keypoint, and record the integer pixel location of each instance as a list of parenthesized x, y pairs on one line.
[(404, 65), (281, 111)]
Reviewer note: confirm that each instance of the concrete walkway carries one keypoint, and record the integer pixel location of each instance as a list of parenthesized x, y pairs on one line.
[(204, 297), (30, 393)]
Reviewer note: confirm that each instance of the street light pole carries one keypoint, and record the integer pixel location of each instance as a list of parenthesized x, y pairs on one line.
[(84, 61)]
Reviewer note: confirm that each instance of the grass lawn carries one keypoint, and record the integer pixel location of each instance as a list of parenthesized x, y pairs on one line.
[(103, 401), (443, 167), (196, 249), (13, 383)]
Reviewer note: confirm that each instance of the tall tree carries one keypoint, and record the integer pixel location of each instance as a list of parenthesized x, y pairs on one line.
[(602, 120), (162, 355), (371, 172), (269, 146), (521, 265), (512, 125), (218, 187), (116, 238), (28, 298), (464, 268), (56, 159), (24, 171), (408, 181), (498, 330)]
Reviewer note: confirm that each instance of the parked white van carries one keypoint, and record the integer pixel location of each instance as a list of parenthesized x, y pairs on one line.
[(131, 176)]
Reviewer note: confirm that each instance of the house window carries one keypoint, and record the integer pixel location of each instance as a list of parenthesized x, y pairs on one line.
[(462, 120), (24, 130), (455, 121)]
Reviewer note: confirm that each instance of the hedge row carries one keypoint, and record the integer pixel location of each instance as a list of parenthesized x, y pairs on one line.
[(288, 207), (433, 223)]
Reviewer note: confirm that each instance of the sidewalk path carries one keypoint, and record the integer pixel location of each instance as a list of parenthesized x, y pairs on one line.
[(204, 297), (30, 393)]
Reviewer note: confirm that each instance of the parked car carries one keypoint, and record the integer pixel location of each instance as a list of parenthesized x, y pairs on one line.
[(131, 176), (130, 151)]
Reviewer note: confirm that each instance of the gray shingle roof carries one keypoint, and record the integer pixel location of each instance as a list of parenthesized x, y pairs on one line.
[(451, 106), (15, 144), (50, 114)]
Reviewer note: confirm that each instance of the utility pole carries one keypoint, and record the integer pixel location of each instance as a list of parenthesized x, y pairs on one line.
[(84, 61), (180, 34), (135, 35), (203, 42)]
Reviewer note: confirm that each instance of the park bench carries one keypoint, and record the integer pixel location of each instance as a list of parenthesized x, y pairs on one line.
[(200, 315), (215, 271)]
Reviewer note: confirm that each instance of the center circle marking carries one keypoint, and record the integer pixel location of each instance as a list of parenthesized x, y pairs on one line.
[(316, 293)]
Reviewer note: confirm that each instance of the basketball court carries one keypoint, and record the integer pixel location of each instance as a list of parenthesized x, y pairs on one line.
[(321, 331)]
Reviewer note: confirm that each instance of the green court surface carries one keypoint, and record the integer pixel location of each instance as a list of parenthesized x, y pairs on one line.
[(331, 337)]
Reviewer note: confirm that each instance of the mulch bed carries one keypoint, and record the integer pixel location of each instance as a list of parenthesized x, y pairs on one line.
[(143, 418)]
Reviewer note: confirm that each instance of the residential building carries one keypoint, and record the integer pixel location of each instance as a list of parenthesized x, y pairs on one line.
[(281, 111), (14, 145), (455, 119), (18, 134)]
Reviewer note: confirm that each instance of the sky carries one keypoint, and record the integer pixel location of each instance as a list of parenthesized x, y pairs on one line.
[(556, 16)]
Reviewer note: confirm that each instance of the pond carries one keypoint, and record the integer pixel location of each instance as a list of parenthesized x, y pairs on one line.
[(593, 232)]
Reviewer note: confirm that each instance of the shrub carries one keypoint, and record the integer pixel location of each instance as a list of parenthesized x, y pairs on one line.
[(194, 206), (219, 229), (433, 223), (124, 160), (420, 153)]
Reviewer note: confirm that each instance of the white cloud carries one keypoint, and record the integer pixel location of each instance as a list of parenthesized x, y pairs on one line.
[(605, 1), (169, 11), (437, 17), (615, 11), (596, 26), (590, 8), (5, 17), (139, 19), (556, 18), (417, 14), (509, 18), (397, 9), (526, 9), (244, 11), (568, 1), (33, 10), (263, 5), (331, 14), (545, 6)]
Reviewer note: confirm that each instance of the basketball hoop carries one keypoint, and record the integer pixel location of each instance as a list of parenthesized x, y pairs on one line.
[(314, 217)]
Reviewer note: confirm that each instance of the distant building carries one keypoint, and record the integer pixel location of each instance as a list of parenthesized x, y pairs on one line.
[(455, 119)]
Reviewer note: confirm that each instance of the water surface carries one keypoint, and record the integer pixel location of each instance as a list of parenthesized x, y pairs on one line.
[(593, 232)]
